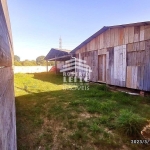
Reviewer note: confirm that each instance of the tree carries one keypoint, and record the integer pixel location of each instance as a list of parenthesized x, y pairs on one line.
[(29, 63), (33, 63), (40, 61), (51, 63), (17, 63), (16, 58)]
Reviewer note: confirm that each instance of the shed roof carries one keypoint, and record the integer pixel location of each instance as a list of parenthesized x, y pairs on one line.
[(55, 53), (106, 28)]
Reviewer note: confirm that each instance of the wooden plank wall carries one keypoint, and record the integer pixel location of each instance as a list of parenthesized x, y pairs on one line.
[(110, 66), (138, 59), (131, 44), (100, 68), (146, 73), (102, 65), (7, 101), (5, 53), (7, 110)]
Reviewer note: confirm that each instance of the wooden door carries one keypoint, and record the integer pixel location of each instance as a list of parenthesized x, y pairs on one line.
[(102, 68)]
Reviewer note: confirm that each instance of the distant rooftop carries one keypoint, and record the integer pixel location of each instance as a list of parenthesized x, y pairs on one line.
[(57, 53)]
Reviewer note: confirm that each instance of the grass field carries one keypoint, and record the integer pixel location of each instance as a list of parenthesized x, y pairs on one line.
[(95, 119)]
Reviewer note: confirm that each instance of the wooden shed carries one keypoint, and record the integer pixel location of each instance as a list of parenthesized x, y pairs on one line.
[(119, 55), (59, 56)]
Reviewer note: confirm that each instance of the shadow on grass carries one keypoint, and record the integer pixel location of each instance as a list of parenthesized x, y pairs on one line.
[(31, 111), (49, 77)]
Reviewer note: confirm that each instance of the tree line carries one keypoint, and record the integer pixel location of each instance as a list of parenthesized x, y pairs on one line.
[(38, 62)]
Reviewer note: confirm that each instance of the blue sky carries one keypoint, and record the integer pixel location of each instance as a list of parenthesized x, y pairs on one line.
[(38, 24)]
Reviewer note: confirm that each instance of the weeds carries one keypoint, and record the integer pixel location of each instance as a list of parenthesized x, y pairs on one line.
[(129, 123)]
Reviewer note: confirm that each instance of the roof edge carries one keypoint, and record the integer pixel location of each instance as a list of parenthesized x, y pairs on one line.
[(90, 38)]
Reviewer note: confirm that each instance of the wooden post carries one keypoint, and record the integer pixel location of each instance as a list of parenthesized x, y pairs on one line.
[(55, 65), (47, 66)]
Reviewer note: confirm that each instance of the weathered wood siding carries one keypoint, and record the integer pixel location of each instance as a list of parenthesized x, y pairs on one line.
[(110, 66), (127, 52), (7, 102), (120, 65), (102, 68)]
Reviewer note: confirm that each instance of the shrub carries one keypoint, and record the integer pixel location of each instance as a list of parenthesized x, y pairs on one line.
[(130, 123)]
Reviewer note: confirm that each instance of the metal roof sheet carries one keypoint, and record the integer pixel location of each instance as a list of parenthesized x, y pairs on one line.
[(53, 53)]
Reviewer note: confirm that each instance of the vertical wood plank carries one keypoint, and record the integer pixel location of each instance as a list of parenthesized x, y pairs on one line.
[(142, 33), (112, 37), (134, 77), (129, 77), (131, 34), (124, 63), (136, 46), (107, 67), (130, 47), (108, 38), (121, 36), (104, 68), (147, 32), (142, 45), (116, 40), (136, 33), (96, 43), (100, 67), (110, 70), (101, 41), (120, 65), (126, 36)]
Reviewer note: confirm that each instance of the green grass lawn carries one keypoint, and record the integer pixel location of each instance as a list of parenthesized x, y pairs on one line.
[(49, 117)]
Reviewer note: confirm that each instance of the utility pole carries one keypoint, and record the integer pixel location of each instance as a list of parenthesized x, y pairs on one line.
[(60, 43)]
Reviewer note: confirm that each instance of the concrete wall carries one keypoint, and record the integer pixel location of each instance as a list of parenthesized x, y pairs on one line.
[(7, 100), (31, 69)]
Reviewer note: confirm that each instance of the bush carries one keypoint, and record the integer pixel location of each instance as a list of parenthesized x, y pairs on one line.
[(130, 123)]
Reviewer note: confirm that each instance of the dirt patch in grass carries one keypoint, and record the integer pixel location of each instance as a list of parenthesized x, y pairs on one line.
[(86, 115)]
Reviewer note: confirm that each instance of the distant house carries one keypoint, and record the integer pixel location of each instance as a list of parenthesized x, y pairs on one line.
[(59, 56), (119, 55)]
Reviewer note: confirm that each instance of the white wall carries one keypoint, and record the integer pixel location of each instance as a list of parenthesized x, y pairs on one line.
[(31, 69)]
